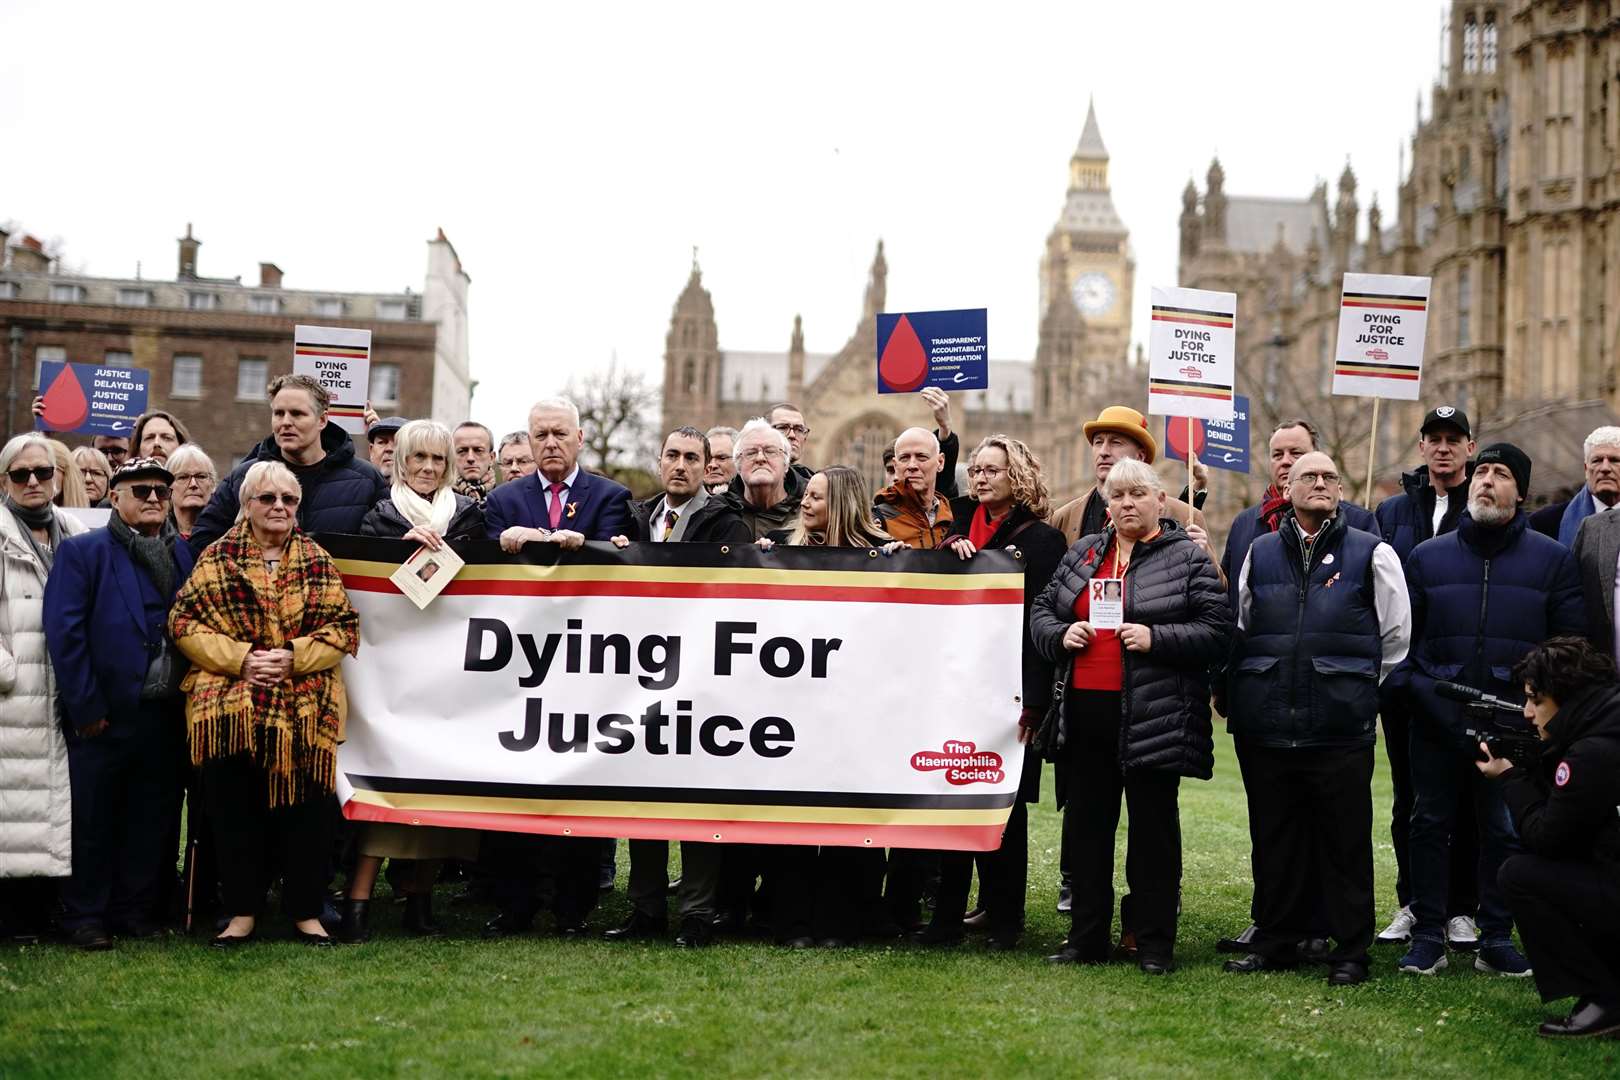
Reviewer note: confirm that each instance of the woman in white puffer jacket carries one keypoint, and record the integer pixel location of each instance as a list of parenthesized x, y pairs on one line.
[(36, 821)]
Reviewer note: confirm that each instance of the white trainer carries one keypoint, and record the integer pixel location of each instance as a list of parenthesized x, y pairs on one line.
[(1462, 933), (1400, 927)]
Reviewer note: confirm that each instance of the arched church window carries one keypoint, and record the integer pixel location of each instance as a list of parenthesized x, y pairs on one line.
[(689, 376)]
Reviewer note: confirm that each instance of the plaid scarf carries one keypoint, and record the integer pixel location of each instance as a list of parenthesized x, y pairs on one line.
[(1273, 506), (291, 729), (476, 490)]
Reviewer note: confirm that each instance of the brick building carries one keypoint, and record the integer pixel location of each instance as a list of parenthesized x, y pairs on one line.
[(212, 344)]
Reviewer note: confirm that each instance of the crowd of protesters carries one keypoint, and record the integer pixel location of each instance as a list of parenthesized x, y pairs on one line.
[(185, 659)]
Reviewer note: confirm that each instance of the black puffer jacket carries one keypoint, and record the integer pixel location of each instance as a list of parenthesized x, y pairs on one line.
[(384, 519), (1174, 590), (338, 490)]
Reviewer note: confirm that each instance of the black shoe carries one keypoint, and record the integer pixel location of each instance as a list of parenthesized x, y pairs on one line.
[(694, 934), (92, 937), (606, 876), (1589, 1019), (1065, 898), (976, 920), (1239, 944), (933, 934), (1071, 955), (318, 941), (799, 943), (1314, 950), (1253, 962), (728, 922), (573, 931), (1347, 973), (1002, 938), (235, 941), (506, 924), (139, 930), (418, 919), (638, 925), (1155, 965), (353, 929), (832, 943)]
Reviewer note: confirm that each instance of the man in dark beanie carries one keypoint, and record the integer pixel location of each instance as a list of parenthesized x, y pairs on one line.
[(118, 678), (1482, 597)]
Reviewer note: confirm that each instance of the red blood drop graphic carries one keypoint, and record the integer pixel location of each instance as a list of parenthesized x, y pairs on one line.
[(65, 404), (1178, 436), (903, 365)]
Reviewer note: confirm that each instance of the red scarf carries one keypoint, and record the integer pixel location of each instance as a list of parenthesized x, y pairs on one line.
[(1272, 507), (981, 529)]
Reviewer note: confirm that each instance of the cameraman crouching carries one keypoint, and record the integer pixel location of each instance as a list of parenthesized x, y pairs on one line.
[(1565, 889)]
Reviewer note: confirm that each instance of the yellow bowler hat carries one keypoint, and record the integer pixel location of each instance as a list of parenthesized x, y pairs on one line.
[(1126, 421)]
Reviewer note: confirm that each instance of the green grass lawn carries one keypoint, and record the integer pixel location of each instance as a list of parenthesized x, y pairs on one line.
[(466, 1007)]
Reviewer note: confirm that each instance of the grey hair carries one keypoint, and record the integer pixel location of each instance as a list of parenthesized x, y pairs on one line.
[(728, 432), (758, 425), (1603, 436), (190, 453), (513, 437), (423, 437), (262, 474), (19, 443), (1131, 473), (565, 404)]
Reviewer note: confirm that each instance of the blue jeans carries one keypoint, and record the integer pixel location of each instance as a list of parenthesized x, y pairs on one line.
[(1443, 774)]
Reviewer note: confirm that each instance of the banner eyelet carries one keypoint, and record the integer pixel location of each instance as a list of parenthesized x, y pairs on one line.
[(725, 549), (871, 553)]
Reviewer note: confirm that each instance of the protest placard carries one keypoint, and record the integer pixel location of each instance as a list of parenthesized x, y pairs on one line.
[(1382, 322), (85, 399), (1192, 346), (943, 349), (1220, 444), (686, 692), (340, 359)]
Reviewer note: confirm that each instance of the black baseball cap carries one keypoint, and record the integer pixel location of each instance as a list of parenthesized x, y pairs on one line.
[(1447, 416), (386, 426)]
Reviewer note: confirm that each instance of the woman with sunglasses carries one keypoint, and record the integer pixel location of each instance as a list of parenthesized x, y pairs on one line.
[(266, 704), (420, 507), (35, 793), (118, 691)]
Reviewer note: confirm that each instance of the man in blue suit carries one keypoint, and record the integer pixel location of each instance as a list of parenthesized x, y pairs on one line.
[(559, 503), (107, 604)]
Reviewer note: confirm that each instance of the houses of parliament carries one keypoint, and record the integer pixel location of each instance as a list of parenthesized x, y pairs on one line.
[(1509, 198)]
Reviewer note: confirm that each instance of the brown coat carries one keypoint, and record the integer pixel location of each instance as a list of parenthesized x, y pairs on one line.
[(902, 517)]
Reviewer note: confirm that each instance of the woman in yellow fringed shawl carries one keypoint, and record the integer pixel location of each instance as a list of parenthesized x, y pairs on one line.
[(265, 621)]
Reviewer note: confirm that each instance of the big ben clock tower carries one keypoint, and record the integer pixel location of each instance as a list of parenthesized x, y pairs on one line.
[(1087, 275)]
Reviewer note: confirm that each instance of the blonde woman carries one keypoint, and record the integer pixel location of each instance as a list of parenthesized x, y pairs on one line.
[(70, 492), (96, 471)]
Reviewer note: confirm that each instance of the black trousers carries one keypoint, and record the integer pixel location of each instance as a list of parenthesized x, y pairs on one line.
[(698, 896), (1003, 879), (126, 784), (1464, 897), (255, 843), (828, 892), (1566, 915), (574, 862), (1091, 819), (910, 873), (1310, 827)]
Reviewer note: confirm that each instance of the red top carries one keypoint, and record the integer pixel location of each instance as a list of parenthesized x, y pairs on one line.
[(981, 529), (1100, 665)]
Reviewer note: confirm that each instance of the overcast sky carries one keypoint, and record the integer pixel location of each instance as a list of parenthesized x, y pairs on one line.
[(575, 153)]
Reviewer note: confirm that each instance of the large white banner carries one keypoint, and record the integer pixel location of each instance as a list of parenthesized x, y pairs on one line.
[(689, 691)]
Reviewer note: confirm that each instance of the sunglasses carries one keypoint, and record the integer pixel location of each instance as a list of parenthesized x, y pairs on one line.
[(269, 498), (42, 474), (146, 491)]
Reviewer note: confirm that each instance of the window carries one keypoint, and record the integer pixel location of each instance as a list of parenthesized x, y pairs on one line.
[(264, 305), (384, 385), (54, 353), (119, 358), (390, 309), (186, 381), (135, 297), (328, 305), (66, 294), (8, 290), (202, 301), (1465, 302), (252, 378), (1470, 46), (1488, 63)]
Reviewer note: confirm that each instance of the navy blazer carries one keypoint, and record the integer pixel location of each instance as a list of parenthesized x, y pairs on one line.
[(95, 626), (603, 507)]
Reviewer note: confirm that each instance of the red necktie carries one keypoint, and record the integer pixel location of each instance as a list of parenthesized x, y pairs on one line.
[(669, 523), (557, 490)]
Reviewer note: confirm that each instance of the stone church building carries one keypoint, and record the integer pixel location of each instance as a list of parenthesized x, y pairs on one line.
[(1082, 360)]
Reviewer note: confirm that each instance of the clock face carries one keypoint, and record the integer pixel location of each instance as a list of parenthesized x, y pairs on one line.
[(1093, 293)]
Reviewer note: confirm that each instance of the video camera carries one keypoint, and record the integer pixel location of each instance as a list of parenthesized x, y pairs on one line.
[(1515, 740)]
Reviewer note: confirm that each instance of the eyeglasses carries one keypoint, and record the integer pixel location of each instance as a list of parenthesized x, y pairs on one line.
[(989, 472), (760, 453), (192, 478), (792, 429), (144, 492), (269, 498), (42, 474), (94, 472), (1310, 479)]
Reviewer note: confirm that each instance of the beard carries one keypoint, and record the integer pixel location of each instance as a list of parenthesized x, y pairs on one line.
[(1490, 515)]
